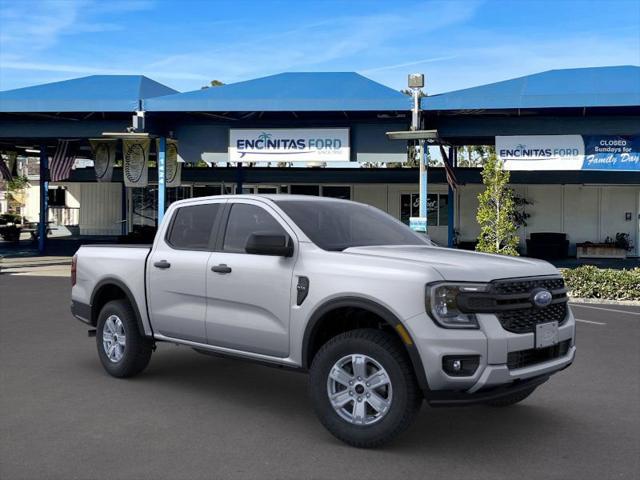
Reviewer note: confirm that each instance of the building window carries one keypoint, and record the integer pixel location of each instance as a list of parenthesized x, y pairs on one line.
[(144, 210), (437, 211), (206, 191), (57, 197), (337, 191), (177, 193), (305, 190)]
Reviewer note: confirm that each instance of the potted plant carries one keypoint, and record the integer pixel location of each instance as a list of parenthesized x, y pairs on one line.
[(10, 226), (11, 222), (611, 247)]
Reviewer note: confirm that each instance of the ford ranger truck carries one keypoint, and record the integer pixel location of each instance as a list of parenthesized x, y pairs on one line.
[(380, 317)]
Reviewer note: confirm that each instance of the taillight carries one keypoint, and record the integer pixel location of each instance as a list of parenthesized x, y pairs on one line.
[(74, 267)]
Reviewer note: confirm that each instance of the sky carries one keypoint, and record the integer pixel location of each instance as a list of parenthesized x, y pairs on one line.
[(185, 44)]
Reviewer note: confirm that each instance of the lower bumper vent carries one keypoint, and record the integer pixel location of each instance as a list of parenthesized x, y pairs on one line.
[(525, 358)]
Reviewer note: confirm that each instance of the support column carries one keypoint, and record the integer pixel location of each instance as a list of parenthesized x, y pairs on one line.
[(450, 200), (44, 200), (124, 210), (423, 179), (239, 178), (162, 181)]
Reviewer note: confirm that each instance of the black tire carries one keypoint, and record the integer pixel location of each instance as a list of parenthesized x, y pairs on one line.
[(511, 399), (391, 355), (137, 349)]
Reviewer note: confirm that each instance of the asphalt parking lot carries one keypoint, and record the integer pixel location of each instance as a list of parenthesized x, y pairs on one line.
[(191, 416)]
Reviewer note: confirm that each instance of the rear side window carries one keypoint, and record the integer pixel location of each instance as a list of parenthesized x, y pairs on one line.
[(244, 220), (192, 226)]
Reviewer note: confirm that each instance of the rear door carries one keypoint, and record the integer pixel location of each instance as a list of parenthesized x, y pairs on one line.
[(177, 270), (249, 296)]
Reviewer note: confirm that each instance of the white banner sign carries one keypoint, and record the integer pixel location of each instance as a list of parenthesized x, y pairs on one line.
[(136, 162), (104, 157), (289, 145), (541, 152)]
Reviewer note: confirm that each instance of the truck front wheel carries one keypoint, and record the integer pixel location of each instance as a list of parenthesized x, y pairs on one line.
[(123, 351), (363, 388)]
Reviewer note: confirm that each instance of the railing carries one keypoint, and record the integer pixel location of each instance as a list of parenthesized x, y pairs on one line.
[(64, 215)]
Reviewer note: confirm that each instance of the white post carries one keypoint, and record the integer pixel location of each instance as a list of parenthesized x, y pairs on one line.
[(416, 82)]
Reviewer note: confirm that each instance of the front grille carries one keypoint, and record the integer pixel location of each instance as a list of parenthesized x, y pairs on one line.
[(524, 320), (514, 307), (524, 358), (526, 285)]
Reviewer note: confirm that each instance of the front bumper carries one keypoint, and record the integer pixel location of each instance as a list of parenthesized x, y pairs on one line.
[(463, 399), (492, 344)]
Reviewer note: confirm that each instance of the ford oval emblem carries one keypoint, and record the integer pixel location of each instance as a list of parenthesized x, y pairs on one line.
[(542, 298)]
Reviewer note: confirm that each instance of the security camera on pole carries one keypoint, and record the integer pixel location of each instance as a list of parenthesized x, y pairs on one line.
[(416, 83)]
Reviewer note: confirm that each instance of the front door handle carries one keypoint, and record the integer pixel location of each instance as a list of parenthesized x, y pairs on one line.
[(222, 268), (162, 264)]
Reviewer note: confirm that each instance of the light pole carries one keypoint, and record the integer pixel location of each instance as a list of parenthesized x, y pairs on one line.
[(416, 83)]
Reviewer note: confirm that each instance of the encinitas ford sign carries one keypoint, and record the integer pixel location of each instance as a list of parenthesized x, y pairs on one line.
[(541, 152), (569, 152), (289, 145)]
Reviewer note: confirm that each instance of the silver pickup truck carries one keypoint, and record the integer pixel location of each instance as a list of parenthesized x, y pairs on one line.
[(379, 316)]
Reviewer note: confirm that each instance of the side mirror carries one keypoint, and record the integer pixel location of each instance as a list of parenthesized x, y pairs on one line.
[(269, 244)]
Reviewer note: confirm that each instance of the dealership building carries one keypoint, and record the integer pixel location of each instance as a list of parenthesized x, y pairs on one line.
[(571, 139)]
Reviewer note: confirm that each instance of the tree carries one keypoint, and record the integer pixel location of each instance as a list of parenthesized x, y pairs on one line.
[(474, 155), (213, 83), (496, 211)]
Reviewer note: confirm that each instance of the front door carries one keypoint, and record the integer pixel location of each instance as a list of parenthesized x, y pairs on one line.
[(249, 296), (177, 270)]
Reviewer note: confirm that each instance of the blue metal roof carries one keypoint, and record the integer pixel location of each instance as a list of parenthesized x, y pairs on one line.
[(297, 92), (96, 93), (577, 87)]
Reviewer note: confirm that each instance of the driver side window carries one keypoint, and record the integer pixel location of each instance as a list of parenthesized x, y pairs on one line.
[(246, 219)]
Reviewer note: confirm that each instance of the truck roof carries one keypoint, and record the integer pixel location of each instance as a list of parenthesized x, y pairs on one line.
[(271, 197)]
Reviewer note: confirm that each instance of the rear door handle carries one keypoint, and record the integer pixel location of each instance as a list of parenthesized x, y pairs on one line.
[(222, 268), (162, 264)]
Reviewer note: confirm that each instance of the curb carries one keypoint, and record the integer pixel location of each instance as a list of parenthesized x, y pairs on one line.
[(603, 301), (9, 266)]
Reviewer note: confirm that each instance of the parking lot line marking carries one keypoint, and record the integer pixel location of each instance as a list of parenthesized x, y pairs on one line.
[(605, 309), (589, 321)]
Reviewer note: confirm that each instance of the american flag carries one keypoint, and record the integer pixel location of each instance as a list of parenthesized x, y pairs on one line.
[(5, 172), (451, 175), (62, 161)]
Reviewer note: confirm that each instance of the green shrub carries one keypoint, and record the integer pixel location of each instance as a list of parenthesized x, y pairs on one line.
[(588, 281)]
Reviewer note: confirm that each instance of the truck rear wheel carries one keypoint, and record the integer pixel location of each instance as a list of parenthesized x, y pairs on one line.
[(363, 388), (123, 351)]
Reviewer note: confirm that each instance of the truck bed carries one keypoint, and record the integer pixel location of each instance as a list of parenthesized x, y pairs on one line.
[(122, 264)]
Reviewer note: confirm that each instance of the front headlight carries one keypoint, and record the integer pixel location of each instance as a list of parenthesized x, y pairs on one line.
[(442, 304)]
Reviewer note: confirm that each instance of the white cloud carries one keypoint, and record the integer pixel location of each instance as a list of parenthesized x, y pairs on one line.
[(408, 64), (436, 37), (314, 46), (31, 27), (89, 70)]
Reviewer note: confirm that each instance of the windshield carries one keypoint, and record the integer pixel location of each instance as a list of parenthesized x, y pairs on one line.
[(335, 225)]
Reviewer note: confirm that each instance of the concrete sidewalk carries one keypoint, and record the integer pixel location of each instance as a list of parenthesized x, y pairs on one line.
[(11, 264)]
